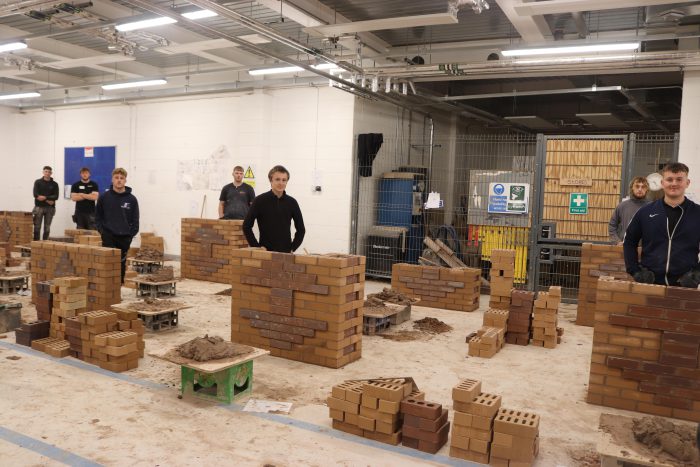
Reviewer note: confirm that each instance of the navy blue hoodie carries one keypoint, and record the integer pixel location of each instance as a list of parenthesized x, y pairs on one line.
[(668, 255), (117, 213)]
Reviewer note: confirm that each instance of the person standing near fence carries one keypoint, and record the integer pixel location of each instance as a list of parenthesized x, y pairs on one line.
[(45, 196), (625, 211)]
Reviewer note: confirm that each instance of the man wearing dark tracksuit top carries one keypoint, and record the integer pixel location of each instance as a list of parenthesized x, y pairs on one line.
[(669, 229)]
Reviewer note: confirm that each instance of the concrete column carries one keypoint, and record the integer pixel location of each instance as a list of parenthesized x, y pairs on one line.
[(689, 149)]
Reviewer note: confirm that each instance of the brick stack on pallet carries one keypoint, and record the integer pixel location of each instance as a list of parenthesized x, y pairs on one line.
[(301, 307), (69, 300), (31, 331), (597, 261), (16, 228), (645, 349), (425, 425), (371, 408), (520, 317), (544, 320), (101, 267), (491, 337), (472, 425), (502, 273), (207, 248), (437, 287), (516, 438)]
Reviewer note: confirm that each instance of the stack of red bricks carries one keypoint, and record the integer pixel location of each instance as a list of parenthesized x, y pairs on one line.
[(516, 438), (43, 300), (31, 331), (646, 345), (78, 234), (3, 259), (371, 408), (491, 337), (437, 287), (301, 307), (82, 330), (100, 266), (207, 247), (520, 317), (69, 300), (17, 228), (544, 320), (502, 273), (425, 425), (152, 241), (597, 261)]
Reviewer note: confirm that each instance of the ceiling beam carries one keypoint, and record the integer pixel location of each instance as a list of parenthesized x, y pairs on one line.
[(552, 7), (531, 29)]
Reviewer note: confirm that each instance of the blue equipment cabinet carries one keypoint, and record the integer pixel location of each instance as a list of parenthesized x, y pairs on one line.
[(401, 205)]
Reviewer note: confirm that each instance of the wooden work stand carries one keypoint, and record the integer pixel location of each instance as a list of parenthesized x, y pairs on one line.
[(12, 282), (155, 289), (223, 380), (145, 266), (159, 320)]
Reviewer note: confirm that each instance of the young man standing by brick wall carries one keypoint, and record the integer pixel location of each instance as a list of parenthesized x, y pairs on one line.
[(625, 211), (669, 229), (236, 197), (45, 196), (117, 216)]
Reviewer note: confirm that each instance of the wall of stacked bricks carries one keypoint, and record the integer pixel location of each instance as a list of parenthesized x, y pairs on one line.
[(490, 337), (16, 228), (545, 318), (501, 278), (301, 307), (448, 288), (519, 327), (597, 261), (207, 247), (76, 234), (101, 267), (151, 240), (646, 341)]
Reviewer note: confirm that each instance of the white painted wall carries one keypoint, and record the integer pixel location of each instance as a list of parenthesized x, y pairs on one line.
[(306, 130), (689, 148)]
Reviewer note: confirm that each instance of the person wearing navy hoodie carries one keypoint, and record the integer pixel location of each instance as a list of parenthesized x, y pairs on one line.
[(117, 216), (669, 229)]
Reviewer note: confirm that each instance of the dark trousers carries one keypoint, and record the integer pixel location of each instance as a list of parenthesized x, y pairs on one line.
[(84, 220), (45, 214), (122, 242)]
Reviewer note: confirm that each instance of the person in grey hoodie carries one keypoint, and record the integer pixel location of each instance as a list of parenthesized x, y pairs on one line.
[(625, 211)]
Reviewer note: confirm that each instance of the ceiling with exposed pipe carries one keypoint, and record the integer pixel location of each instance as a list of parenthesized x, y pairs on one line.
[(425, 55)]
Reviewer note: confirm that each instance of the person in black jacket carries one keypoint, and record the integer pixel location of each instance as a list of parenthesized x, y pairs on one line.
[(84, 192), (45, 196), (274, 212), (117, 216), (669, 229)]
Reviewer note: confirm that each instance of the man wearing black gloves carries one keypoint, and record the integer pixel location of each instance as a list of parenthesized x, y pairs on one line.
[(274, 212), (117, 216), (669, 229), (45, 196)]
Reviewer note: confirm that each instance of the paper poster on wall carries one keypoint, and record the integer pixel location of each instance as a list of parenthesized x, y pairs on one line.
[(101, 162), (509, 198), (210, 173)]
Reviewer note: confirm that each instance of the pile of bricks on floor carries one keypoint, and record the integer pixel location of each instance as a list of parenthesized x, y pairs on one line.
[(18, 228), (545, 332), (645, 349), (69, 299), (151, 241), (597, 261), (101, 267), (438, 287), (502, 273), (490, 338), (129, 276), (520, 317), (484, 432), (207, 247), (301, 307)]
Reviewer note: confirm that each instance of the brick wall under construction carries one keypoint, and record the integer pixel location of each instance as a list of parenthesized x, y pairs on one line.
[(301, 307), (437, 287), (16, 228)]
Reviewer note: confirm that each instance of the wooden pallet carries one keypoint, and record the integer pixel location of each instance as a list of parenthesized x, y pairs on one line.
[(444, 252)]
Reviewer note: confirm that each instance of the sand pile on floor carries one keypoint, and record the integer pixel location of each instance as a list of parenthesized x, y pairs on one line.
[(147, 253), (152, 304), (432, 325), (161, 275), (390, 296), (203, 349), (660, 435)]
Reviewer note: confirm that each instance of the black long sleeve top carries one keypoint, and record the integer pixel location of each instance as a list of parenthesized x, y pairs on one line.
[(274, 216), (45, 188)]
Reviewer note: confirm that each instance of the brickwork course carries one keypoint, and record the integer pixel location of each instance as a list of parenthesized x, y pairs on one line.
[(301, 307), (545, 318), (16, 228), (437, 287), (100, 266), (501, 278), (207, 247), (519, 327), (490, 338), (597, 261), (646, 345)]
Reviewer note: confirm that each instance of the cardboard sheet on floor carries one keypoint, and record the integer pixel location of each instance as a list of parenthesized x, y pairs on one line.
[(260, 405)]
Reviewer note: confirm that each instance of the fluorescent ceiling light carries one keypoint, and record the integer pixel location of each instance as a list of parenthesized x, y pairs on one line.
[(146, 23), (134, 84), (572, 49), (199, 14), (288, 69), (21, 95), (12, 46), (255, 39)]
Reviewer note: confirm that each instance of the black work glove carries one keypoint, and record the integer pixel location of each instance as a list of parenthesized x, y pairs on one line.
[(690, 279), (644, 275)]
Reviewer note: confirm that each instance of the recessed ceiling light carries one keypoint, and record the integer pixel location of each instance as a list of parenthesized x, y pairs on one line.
[(255, 38), (199, 14), (19, 95), (571, 49), (134, 84), (146, 23), (9, 47)]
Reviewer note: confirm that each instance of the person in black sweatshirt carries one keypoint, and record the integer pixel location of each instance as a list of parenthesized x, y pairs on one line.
[(274, 212), (117, 216), (45, 196)]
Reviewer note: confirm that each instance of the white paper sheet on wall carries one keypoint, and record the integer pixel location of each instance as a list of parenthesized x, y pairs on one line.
[(434, 201)]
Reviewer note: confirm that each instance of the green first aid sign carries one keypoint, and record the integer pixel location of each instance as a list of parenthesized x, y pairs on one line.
[(578, 203)]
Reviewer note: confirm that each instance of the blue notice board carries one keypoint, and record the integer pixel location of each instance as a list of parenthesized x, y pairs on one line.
[(99, 159)]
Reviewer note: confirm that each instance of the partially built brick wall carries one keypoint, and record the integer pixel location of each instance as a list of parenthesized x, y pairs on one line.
[(596, 261), (16, 228), (646, 342), (449, 288), (301, 307), (207, 247), (101, 266)]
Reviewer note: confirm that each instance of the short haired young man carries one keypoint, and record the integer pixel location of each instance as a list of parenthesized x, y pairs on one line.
[(45, 196), (117, 216), (625, 211), (669, 229), (274, 212), (236, 197), (84, 192)]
